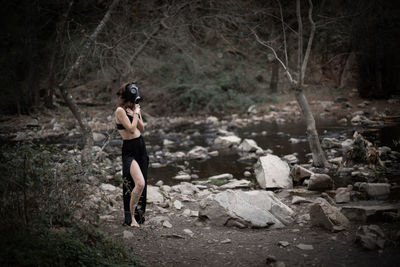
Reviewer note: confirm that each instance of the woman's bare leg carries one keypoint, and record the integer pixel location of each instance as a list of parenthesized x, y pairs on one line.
[(138, 179)]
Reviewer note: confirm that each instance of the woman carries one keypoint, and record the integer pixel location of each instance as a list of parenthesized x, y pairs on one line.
[(134, 155)]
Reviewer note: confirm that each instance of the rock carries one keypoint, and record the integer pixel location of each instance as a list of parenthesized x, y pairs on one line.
[(247, 174), (283, 243), (226, 241), (299, 173), (291, 159), (110, 188), (188, 232), (253, 209), (236, 184), (272, 172), (154, 195), (294, 140), (328, 198), (165, 188), (330, 143), (214, 153), (182, 177), (376, 190), (127, 234), (325, 215), (185, 188), (298, 200), (305, 246), (249, 145), (159, 183), (198, 152), (212, 120), (347, 143), (98, 137), (370, 237), (167, 224), (342, 195), (223, 176), (33, 123), (227, 141), (167, 142), (320, 182), (368, 210), (178, 205)]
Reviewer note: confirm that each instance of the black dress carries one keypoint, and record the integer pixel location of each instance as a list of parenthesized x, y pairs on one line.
[(133, 149)]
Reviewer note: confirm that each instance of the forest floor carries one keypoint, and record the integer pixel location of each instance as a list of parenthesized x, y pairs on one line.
[(209, 245)]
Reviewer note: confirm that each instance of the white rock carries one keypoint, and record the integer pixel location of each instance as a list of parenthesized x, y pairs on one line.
[(198, 152), (167, 224), (294, 140), (178, 205), (305, 246), (109, 187), (220, 177), (227, 141), (154, 195), (249, 145), (247, 174), (188, 232), (159, 183), (212, 120), (272, 172), (97, 137), (342, 195), (291, 158), (185, 188), (253, 208), (167, 142), (183, 177), (225, 241), (236, 184)]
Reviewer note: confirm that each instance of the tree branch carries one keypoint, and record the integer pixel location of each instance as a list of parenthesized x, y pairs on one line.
[(309, 44), (276, 56), (299, 42)]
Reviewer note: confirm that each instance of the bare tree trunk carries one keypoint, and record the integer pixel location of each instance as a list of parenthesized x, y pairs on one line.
[(273, 86), (86, 130), (318, 154)]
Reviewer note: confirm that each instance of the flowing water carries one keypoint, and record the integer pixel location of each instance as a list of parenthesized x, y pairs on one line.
[(268, 135)]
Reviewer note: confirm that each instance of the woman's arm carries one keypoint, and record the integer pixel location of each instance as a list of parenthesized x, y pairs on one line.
[(140, 124), (124, 120)]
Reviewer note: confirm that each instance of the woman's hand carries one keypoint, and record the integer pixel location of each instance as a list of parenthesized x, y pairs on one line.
[(129, 112), (137, 109)]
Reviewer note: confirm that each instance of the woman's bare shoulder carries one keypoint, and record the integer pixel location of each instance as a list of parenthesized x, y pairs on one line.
[(120, 110)]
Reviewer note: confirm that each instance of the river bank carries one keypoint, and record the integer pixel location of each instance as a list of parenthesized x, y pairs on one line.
[(186, 152)]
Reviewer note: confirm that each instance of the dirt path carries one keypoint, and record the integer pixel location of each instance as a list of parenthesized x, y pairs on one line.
[(212, 245)]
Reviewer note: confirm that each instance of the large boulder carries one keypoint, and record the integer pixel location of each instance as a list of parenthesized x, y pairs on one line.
[(252, 209), (272, 172), (320, 182), (249, 145), (324, 214), (376, 190)]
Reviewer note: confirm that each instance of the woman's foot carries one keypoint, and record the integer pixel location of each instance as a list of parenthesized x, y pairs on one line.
[(134, 224)]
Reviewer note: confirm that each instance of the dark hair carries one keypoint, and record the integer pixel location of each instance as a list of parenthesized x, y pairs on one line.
[(122, 101)]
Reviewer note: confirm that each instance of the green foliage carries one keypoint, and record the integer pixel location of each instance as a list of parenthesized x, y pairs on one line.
[(41, 190), (74, 246), (204, 82)]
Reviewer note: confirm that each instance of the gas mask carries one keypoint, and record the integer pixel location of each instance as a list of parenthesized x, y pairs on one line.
[(132, 93)]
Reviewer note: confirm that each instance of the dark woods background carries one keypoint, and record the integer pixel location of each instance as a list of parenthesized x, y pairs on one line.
[(193, 54)]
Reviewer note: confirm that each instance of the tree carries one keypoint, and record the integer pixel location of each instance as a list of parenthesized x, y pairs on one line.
[(318, 155), (62, 86)]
